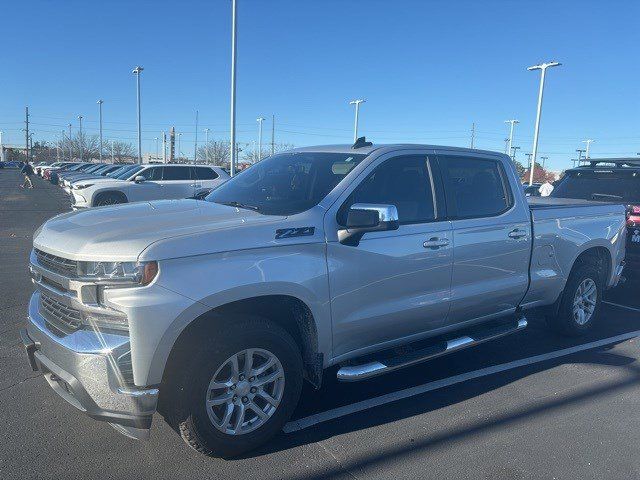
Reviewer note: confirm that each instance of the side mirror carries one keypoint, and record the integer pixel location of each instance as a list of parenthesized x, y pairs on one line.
[(367, 217), (139, 179)]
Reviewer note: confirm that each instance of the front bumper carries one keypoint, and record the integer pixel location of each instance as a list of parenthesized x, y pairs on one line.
[(83, 368)]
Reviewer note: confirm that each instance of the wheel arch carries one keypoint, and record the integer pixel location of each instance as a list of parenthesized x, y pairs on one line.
[(102, 193), (287, 311)]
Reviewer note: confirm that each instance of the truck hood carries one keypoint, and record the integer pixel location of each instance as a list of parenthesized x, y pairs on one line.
[(124, 232)]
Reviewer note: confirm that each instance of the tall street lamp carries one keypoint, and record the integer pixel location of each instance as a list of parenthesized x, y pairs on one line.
[(157, 151), (234, 44), (206, 146), (355, 126), (137, 71), (260, 120), (100, 102), (80, 136), (588, 142), (543, 70)]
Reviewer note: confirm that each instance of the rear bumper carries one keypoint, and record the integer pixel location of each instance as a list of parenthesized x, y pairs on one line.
[(84, 368)]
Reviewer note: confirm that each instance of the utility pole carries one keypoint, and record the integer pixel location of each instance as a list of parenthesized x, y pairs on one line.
[(588, 142), (544, 159), (195, 149), (355, 126), (206, 145), (70, 145), (137, 71), (473, 134), (234, 44), (157, 151), (179, 147), (529, 155), (80, 136), (543, 69), (26, 138), (260, 120), (273, 134), (506, 146), (513, 152), (100, 102), (512, 125), (580, 151)]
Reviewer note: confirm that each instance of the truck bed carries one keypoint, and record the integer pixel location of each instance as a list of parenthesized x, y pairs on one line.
[(537, 203)]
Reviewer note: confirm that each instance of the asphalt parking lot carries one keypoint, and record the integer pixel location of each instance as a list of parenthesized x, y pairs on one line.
[(532, 405)]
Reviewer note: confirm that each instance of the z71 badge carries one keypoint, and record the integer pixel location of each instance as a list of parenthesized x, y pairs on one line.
[(295, 232)]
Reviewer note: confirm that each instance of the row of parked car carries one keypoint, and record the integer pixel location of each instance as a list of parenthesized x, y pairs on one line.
[(98, 184)]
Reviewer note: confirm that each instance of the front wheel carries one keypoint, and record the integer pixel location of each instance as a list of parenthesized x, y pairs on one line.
[(581, 300), (239, 389)]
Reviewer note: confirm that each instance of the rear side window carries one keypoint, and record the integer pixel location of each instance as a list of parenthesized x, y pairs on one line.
[(402, 181), (475, 187), (601, 185), (176, 173), (204, 173)]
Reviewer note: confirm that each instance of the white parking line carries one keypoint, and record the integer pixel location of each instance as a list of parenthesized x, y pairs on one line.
[(626, 307), (335, 413)]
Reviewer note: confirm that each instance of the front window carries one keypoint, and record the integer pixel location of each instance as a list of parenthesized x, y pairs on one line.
[(286, 183)]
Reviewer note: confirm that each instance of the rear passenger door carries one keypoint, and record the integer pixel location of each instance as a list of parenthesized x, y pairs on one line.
[(176, 182), (205, 178), (491, 237)]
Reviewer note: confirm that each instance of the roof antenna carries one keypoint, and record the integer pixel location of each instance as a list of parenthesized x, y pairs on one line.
[(361, 142)]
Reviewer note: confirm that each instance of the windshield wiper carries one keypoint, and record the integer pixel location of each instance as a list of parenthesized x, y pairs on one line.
[(241, 205)]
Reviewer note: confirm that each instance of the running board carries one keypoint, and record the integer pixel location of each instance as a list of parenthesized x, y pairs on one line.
[(354, 373)]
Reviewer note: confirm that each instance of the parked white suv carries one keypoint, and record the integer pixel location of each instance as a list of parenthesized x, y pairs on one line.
[(153, 182)]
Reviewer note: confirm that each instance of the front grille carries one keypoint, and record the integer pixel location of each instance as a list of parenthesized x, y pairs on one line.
[(63, 319), (62, 266)]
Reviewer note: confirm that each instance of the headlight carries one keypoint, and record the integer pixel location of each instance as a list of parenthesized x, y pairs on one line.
[(81, 186), (141, 273)]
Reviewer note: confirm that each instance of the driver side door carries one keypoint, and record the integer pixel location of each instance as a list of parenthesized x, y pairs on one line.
[(149, 189), (394, 286)]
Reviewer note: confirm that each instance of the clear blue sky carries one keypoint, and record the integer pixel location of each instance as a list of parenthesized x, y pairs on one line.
[(427, 69)]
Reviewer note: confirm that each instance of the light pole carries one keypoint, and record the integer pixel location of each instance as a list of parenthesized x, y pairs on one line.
[(206, 145), (260, 120), (70, 145), (100, 102), (234, 44), (80, 135), (157, 151), (543, 70), (588, 142), (512, 124), (137, 71), (355, 125), (179, 148)]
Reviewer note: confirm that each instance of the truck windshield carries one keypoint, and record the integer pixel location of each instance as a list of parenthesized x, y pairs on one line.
[(602, 185), (286, 183)]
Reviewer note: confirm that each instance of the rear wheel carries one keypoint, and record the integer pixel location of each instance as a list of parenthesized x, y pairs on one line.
[(238, 389), (581, 300)]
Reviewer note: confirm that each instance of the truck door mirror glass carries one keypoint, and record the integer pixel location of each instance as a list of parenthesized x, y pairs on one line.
[(366, 217), (139, 179)]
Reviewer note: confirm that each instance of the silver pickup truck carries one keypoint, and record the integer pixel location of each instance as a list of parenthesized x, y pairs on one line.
[(214, 312)]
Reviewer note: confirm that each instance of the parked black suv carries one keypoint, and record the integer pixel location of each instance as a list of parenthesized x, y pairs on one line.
[(609, 180)]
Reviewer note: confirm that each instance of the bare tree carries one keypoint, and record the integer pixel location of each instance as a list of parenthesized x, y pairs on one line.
[(250, 153), (214, 152), (122, 151)]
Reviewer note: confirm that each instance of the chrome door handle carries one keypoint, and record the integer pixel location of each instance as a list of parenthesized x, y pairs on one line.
[(197, 185), (435, 243), (517, 233)]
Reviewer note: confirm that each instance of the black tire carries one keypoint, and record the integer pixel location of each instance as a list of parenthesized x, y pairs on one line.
[(109, 198), (564, 322), (185, 408)]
